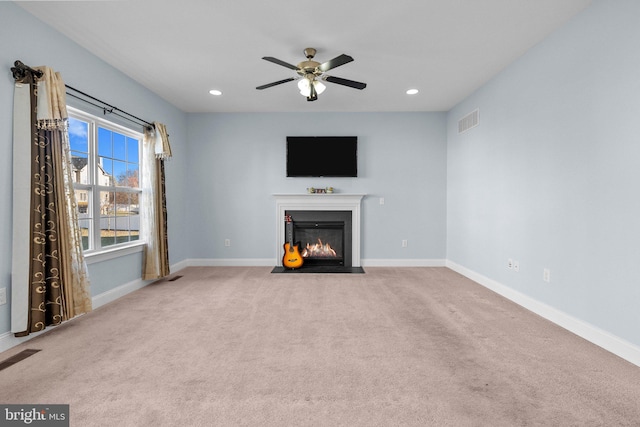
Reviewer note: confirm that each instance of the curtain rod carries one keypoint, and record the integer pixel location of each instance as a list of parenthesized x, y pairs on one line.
[(105, 110), (20, 69)]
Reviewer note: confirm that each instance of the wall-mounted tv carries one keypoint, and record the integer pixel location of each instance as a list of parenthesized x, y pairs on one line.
[(316, 156)]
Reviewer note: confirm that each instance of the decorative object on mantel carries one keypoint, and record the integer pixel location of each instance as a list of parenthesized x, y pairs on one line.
[(312, 190)]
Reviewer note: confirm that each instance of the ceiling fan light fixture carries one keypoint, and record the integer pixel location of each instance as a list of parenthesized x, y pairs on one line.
[(305, 87), (319, 86)]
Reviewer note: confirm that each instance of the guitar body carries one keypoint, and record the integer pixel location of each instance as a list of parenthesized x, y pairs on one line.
[(292, 257)]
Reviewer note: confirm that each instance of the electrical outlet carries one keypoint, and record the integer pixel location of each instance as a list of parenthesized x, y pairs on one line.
[(516, 266), (227, 242), (3, 296), (510, 264), (382, 200), (404, 243), (546, 275)]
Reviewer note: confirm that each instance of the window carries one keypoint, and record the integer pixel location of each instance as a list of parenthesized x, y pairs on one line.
[(105, 163)]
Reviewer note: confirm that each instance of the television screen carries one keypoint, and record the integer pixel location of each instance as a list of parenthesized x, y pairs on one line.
[(314, 156)]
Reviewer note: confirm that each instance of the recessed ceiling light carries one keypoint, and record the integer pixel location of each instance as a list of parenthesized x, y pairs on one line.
[(412, 91), (215, 92)]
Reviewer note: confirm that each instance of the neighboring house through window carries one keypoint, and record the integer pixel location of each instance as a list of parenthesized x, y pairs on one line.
[(105, 161)]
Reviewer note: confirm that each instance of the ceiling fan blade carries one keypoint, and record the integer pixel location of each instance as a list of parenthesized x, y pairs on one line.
[(279, 82), (335, 62), (345, 82), (279, 62)]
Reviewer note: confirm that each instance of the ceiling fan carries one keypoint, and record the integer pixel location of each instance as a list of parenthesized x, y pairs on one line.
[(311, 72)]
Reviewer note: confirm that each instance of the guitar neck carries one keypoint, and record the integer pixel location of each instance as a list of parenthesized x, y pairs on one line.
[(289, 230)]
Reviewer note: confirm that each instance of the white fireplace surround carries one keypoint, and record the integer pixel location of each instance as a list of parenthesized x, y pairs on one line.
[(319, 202)]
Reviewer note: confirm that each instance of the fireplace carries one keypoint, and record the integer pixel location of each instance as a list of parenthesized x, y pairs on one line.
[(324, 236), (310, 208)]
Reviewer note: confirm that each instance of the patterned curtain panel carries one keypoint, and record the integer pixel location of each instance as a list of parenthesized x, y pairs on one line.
[(156, 149), (50, 284)]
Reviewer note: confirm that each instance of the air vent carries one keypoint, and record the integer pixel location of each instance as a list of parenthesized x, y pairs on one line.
[(17, 358), (469, 121)]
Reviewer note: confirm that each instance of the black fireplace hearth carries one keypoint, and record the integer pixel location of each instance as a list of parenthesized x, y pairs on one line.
[(320, 269)]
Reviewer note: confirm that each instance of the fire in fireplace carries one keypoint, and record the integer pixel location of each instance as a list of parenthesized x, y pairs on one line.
[(322, 250)]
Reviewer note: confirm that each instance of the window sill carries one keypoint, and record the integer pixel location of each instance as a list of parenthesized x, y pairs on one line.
[(93, 258)]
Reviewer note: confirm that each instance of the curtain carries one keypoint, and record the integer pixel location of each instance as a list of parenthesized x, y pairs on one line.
[(49, 276), (156, 149)]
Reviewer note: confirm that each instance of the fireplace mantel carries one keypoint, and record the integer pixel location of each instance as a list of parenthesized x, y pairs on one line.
[(319, 202)]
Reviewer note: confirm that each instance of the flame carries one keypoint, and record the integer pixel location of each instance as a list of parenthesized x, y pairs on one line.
[(319, 250)]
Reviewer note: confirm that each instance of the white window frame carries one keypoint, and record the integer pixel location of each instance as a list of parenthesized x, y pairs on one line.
[(96, 252)]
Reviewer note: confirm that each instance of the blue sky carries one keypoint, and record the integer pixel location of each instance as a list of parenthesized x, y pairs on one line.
[(119, 153)]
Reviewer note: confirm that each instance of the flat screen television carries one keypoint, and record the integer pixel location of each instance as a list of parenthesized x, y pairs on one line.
[(317, 156)]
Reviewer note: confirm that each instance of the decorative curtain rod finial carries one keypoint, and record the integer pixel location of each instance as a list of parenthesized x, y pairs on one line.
[(20, 71)]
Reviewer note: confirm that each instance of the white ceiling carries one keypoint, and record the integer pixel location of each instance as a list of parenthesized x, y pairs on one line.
[(182, 49)]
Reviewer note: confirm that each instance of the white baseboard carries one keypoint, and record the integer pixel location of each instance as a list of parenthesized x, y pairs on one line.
[(269, 262), (119, 292), (8, 340), (593, 334), (179, 266), (127, 288), (371, 262), (230, 262)]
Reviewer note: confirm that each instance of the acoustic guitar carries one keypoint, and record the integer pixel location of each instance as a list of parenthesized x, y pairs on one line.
[(292, 257)]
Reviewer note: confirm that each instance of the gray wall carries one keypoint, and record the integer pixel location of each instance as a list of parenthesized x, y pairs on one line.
[(25, 38), (551, 177), (237, 161)]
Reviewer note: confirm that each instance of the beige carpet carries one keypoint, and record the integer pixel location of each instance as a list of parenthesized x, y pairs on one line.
[(232, 346)]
